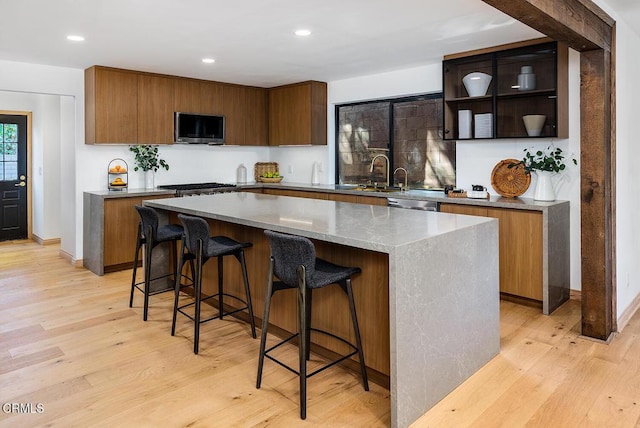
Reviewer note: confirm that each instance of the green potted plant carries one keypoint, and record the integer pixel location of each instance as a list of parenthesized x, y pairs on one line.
[(544, 163), (148, 160)]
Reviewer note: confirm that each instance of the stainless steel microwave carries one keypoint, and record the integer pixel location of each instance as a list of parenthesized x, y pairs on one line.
[(191, 128)]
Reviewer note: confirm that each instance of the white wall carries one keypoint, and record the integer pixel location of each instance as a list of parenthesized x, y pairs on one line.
[(44, 179), (48, 80), (627, 152)]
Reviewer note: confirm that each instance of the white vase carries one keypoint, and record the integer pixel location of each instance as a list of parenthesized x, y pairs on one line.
[(544, 186), (149, 177)]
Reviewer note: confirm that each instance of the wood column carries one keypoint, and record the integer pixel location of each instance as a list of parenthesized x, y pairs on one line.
[(596, 208), (588, 29)]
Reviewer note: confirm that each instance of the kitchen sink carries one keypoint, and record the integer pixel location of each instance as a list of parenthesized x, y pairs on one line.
[(377, 189)]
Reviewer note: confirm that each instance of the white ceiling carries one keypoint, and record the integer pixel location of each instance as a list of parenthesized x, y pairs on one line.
[(252, 41)]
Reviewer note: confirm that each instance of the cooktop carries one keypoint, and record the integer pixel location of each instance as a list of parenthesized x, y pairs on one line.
[(195, 186)]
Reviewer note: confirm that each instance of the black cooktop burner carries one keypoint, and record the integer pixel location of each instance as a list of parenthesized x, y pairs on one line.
[(195, 186)]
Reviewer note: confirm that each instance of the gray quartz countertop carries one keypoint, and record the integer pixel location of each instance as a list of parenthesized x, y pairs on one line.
[(129, 193), (376, 228), (429, 195)]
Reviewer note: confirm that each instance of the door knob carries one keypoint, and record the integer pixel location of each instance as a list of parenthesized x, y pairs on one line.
[(21, 184)]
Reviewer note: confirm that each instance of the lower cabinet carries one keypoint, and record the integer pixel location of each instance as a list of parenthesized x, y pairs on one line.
[(520, 238), (110, 231), (338, 197)]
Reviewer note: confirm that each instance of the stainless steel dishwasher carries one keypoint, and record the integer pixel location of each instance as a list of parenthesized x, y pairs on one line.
[(413, 204)]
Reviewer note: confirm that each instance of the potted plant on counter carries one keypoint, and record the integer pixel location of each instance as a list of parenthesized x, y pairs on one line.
[(544, 163), (148, 160)]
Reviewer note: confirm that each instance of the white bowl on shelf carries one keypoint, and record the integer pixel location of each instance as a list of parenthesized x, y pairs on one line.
[(534, 124), (476, 83)]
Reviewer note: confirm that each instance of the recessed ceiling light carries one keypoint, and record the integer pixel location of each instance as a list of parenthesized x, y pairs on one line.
[(208, 60), (302, 32), (75, 38)]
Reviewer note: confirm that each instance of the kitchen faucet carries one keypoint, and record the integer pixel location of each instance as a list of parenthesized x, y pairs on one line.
[(388, 164), (406, 178)]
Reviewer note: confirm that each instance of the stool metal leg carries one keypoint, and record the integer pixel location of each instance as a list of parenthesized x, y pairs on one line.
[(135, 265), (265, 323), (302, 335), (354, 319), (220, 286), (178, 279), (307, 332), (198, 297), (147, 270), (245, 278)]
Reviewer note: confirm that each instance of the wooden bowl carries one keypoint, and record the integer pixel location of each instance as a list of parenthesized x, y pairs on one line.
[(510, 182)]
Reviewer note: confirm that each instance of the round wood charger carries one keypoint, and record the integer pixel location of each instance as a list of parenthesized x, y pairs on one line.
[(510, 182)]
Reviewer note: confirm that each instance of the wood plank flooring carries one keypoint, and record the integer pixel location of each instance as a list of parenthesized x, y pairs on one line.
[(69, 342)]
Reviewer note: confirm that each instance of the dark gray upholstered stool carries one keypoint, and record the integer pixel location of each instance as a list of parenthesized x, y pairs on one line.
[(295, 266), (198, 245), (151, 234)]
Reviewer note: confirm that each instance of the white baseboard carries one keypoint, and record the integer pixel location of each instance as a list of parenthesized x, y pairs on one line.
[(75, 263), (41, 241), (628, 313)]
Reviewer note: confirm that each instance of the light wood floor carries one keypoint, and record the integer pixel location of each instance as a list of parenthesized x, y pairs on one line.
[(69, 341)]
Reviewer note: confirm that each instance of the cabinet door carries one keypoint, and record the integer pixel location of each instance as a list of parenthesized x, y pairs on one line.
[(256, 120), (234, 111), (121, 229), (520, 252), (463, 209), (295, 193), (298, 114), (111, 100), (187, 96), (212, 98), (155, 109)]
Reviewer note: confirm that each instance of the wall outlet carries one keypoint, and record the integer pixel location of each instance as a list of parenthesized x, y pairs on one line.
[(289, 169), (319, 166)]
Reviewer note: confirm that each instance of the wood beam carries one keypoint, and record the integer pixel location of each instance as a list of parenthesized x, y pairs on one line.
[(579, 23), (588, 29), (596, 209)]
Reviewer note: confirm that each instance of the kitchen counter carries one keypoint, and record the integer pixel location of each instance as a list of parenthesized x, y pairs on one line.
[(440, 272), (534, 236), (427, 195)]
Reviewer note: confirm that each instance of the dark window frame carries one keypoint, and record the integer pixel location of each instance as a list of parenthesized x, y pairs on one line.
[(392, 102)]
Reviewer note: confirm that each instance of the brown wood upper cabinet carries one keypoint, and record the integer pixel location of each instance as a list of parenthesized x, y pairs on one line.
[(111, 106), (196, 96), (131, 107), (298, 114), (245, 111), (527, 78), (155, 109), (127, 107)]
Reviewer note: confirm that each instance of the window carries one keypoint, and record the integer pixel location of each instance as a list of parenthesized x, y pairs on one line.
[(408, 131)]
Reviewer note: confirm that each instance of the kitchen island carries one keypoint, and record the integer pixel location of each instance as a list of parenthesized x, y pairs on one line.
[(427, 299)]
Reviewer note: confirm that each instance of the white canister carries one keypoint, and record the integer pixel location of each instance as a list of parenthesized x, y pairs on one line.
[(526, 79), (315, 174), (241, 174)]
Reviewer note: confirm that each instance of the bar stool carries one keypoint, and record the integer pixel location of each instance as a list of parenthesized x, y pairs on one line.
[(295, 266), (198, 245), (151, 234)]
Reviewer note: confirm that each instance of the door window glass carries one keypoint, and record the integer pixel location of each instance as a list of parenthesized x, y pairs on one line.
[(8, 151)]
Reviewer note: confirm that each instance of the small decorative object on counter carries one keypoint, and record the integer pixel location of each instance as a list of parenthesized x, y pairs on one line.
[(544, 163), (117, 174), (241, 174), (509, 178), (267, 172), (148, 160), (526, 79), (315, 174)]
